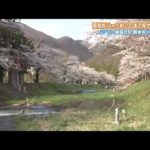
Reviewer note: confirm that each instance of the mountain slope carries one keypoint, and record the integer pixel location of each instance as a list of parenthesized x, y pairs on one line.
[(67, 44), (105, 61), (74, 47), (39, 39)]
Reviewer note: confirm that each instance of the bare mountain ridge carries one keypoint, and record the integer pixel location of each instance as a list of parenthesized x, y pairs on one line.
[(39, 38), (67, 44), (74, 47)]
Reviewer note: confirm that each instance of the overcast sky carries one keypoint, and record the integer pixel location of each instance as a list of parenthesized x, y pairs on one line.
[(74, 28)]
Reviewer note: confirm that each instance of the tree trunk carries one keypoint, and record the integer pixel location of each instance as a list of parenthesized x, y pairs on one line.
[(16, 80), (1, 74), (36, 77)]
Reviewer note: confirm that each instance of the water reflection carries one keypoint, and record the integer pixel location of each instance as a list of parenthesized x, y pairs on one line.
[(32, 110)]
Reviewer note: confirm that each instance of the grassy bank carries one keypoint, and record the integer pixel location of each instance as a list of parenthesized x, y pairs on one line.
[(54, 94), (136, 103)]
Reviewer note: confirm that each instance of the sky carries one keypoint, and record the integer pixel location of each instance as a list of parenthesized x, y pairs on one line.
[(74, 28)]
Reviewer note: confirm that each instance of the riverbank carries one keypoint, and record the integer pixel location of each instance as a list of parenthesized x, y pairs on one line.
[(88, 111)]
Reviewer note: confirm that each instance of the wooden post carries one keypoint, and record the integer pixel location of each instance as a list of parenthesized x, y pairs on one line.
[(116, 116)]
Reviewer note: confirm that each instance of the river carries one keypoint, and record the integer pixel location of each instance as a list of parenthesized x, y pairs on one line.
[(8, 114)]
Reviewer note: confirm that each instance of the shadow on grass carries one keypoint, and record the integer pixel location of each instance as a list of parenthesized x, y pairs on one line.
[(39, 90), (43, 89)]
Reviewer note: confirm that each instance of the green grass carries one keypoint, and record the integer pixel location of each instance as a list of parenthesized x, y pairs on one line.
[(59, 93), (136, 102)]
